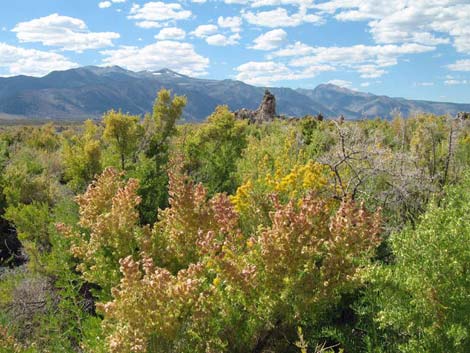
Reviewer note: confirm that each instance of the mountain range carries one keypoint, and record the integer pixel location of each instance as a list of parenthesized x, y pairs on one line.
[(90, 91)]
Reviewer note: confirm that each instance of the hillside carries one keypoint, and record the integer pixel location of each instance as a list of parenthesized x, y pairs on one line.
[(89, 91)]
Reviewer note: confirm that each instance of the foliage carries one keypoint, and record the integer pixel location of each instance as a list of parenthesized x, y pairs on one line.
[(152, 172), (108, 228), (285, 170), (131, 235), (82, 157), (122, 132), (424, 294), (280, 273), (214, 150)]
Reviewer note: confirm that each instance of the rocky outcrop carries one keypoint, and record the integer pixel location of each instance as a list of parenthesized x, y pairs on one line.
[(463, 116), (265, 112)]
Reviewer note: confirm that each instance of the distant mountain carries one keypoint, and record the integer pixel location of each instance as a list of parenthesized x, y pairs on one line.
[(356, 105), (90, 91)]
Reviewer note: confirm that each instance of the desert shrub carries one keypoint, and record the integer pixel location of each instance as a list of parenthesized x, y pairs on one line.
[(214, 150), (82, 157), (423, 296), (197, 282)]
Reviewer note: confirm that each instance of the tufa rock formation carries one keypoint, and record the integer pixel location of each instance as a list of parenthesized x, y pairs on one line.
[(265, 112), (463, 116)]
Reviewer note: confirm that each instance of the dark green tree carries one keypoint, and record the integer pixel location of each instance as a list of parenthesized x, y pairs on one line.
[(214, 150), (159, 128)]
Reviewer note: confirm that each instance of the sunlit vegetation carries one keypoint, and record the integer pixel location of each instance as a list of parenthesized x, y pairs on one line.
[(148, 235)]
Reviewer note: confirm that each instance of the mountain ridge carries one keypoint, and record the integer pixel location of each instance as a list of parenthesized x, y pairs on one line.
[(88, 92)]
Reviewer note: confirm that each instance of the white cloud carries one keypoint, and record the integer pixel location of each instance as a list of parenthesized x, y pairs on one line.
[(203, 31), (460, 65), (153, 14), (222, 40), (370, 71), (424, 84), (266, 3), (270, 40), (212, 37), (429, 22), (280, 17), (369, 61), (172, 33), (300, 3), (104, 4), (365, 84), (262, 73), (178, 56), (236, 2), (454, 82), (341, 83), (20, 61), (149, 24), (266, 73), (234, 23), (65, 32)]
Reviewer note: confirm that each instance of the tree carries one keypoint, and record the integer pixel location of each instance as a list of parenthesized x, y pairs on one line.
[(82, 157), (159, 128), (215, 149), (122, 131)]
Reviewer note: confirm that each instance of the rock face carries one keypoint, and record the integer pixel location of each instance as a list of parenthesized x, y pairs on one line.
[(265, 112), (463, 115)]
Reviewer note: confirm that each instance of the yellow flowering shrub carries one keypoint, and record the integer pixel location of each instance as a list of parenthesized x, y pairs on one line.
[(250, 199), (280, 167)]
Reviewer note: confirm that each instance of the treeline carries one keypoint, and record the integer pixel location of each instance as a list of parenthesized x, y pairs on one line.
[(145, 235)]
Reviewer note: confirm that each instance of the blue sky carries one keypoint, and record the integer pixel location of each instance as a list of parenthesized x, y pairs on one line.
[(415, 49)]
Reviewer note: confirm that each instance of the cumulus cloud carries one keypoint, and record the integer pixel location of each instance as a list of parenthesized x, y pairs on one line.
[(300, 3), (265, 3), (65, 32), (223, 40), (20, 61), (429, 22), (460, 65), (341, 83), (280, 17), (104, 4), (154, 14), (203, 31), (424, 84), (454, 82), (178, 56), (369, 61), (173, 33), (236, 2), (267, 73), (234, 23), (210, 33), (270, 40)]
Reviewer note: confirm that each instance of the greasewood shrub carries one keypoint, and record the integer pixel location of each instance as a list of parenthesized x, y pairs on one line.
[(197, 283)]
